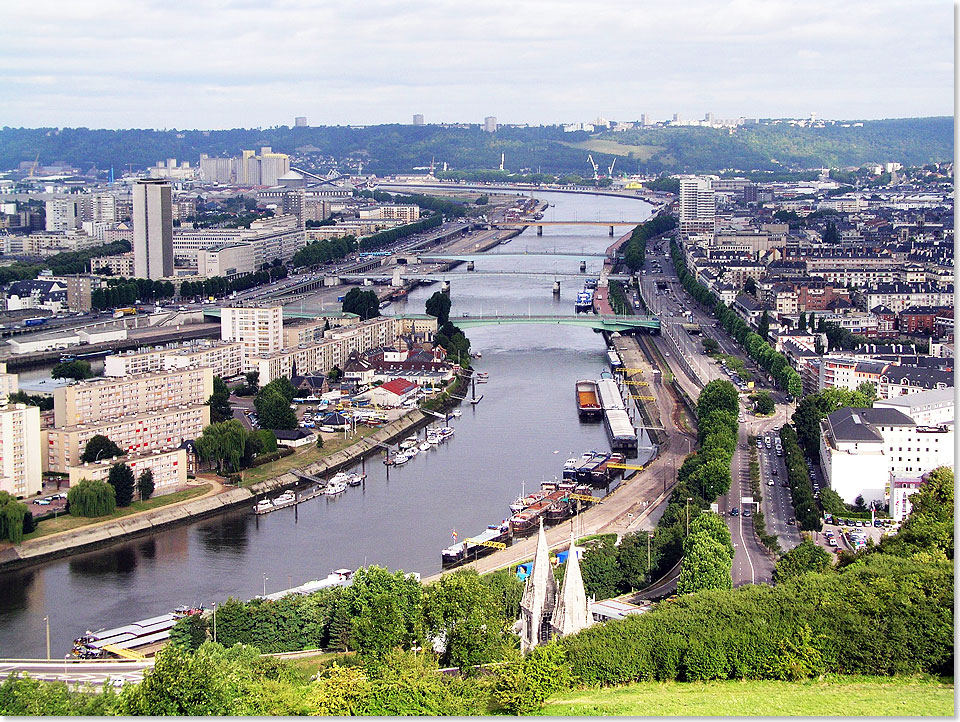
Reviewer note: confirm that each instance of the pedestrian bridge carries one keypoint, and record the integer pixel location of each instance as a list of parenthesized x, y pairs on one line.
[(649, 324)]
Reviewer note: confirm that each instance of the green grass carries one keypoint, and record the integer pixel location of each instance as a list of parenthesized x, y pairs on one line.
[(305, 456), (65, 522), (828, 697)]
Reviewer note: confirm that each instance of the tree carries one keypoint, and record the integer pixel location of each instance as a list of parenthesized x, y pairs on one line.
[(363, 303), (252, 379), (145, 484), (224, 444), (802, 322), (750, 286), (710, 345), (439, 305), (929, 527), (334, 374), (712, 479), (386, 611), (763, 404), (122, 480), (763, 327), (718, 394), (91, 498), (12, 516), (803, 558), (219, 401), (461, 611), (100, 447), (706, 565), (77, 370), (602, 576), (273, 409), (189, 632)]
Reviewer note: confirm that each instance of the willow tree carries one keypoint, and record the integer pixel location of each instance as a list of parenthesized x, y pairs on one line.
[(12, 513), (92, 498)]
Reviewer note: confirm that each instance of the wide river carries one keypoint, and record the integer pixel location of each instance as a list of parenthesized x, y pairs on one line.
[(520, 434)]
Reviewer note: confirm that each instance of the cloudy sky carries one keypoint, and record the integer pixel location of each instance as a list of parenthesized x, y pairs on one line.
[(246, 63)]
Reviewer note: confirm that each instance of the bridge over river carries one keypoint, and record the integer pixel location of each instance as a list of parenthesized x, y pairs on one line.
[(607, 322)]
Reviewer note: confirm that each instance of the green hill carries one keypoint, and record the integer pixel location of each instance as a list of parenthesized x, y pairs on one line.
[(387, 149)]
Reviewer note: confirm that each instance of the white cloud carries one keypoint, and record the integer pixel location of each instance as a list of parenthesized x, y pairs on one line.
[(228, 63)]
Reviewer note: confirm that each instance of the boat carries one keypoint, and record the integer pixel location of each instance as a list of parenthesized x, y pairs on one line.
[(584, 301), (412, 451), (559, 510), (424, 446), (263, 506), (603, 473), (571, 466), (526, 522), (446, 432), (456, 413), (285, 499), (384, 304), (327, 429), (409, 443), (588, 400), (433, 438), (400, 458), (334, 489), (340, 477), (356, 479), (524, 502), (591, 283), (585, 472), (483, 543)]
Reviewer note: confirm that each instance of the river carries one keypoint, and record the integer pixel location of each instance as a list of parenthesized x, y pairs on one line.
[(520, 434)]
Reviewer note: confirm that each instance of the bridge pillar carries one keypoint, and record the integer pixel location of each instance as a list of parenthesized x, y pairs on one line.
[(445, 288), (396, 281), (539, 230), (611, 230), (556, 288), (470, 266), (583, 266)]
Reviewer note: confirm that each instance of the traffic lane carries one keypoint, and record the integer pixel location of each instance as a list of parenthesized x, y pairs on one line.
[(781, 500)]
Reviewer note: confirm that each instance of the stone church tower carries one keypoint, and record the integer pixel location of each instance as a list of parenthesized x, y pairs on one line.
[(545, 612)]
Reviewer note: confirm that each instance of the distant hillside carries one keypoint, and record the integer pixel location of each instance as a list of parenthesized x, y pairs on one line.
[(399, 148)]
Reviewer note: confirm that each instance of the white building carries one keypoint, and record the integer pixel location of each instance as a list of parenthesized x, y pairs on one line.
[(225, 359), (152, 229), (260, 330), (928, 408), (169, 468), (63, 214), (861, 450), (21, 472), (490, 124), (697, 205)]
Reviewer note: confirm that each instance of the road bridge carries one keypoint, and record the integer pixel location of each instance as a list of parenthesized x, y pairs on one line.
[(518, 254), (526, 223), (649, 324), (448, 275)]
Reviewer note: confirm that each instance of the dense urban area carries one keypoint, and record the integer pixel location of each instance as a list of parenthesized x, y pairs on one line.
[(243, 327)]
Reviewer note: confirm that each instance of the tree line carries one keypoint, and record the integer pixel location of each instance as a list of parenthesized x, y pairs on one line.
[(218, 286), (61, 264), (756, 346), (320, 252), (383, 238), (636, 246)]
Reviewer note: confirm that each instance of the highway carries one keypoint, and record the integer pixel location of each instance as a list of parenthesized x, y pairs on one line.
[(77, 672)]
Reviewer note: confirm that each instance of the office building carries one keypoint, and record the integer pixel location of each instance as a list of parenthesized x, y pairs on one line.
[(88, 402), (259, 330), (169, 467), (133, 433), (63, 214), (225, 359), (265, 240), (20, 466), (418, 119), (490, 124), (152, 229), (300, 121)]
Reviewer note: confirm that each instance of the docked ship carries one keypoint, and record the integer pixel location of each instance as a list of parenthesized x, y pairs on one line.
[(588, 400), (527, 521), (572, 466), (584, 301), (603, 473), (476, 547)]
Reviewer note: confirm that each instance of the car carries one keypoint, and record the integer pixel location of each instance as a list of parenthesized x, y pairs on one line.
[(771, 483), (735, 511), (832, 542), (42, 502), (747, 512), (774, 472), (791, 521), (117, 682)]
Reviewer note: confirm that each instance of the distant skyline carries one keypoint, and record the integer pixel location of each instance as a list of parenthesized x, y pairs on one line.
[(215, 64)]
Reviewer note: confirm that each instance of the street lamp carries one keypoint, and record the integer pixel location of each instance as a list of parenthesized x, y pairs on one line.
[(214, 621), (46, 621), (686, 506), (265, 578)]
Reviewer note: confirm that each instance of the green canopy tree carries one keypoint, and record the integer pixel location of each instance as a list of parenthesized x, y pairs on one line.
[(12, 514), (219, 401), (461, 611), (77, 370), (363, 303), (763, 327), (145, 485), (439, 305), (386, 611), (91, 498), (122, 480), (803, 558), (706, 565), (100, 447), (273, 409)]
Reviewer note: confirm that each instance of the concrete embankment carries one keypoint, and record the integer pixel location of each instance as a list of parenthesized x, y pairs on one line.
[(36, 551)]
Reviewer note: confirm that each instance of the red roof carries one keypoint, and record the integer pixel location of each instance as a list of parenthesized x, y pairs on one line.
[(399, 386)]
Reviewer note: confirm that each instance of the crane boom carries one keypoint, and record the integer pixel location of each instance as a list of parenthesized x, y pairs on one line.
[(594, 164)]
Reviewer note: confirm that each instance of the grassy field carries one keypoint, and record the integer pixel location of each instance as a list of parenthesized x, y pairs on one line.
[(640, 152), (65, 522), (304, 456), (840, 696)]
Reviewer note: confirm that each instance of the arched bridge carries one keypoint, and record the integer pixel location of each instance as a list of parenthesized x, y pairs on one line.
[(649, 324)]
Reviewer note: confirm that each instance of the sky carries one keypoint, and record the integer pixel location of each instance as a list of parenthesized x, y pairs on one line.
[(215, 64)]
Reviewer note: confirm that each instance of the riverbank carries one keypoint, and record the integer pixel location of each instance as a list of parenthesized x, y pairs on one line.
[(105, 533)]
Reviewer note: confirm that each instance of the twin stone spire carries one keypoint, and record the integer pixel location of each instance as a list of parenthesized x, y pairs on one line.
[(545, 611)]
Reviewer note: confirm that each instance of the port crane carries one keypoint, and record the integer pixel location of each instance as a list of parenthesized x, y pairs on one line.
[(610, 169), (592, 162), (33, 168)]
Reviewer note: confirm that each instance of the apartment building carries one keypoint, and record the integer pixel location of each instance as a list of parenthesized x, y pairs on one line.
[(21, 472), (259, 330), (861, 450), (397, 212), (63, 214), (928, 408), (119, 265), (134, 433), (9, 383), (224, 358), (302, 331), (169, 467), (697, 205), (88, 402), (900, 296), (336, 348), (263, 241)]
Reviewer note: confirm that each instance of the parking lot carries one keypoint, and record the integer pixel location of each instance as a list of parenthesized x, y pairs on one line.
[(843, 534)]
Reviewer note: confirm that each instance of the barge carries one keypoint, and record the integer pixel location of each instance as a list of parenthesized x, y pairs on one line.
[(495, 536), (588, 400)]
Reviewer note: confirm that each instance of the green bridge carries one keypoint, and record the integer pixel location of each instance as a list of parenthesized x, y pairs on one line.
[(649, 324)]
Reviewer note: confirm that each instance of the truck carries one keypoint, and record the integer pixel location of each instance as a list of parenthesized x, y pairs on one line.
[(34, 322)]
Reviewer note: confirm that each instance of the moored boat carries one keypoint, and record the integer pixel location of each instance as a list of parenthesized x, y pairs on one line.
[(588, 400), (483, 543), (334, 489)]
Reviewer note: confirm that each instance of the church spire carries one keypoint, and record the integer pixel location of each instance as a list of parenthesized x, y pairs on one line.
[(539, 597), (573, 611)]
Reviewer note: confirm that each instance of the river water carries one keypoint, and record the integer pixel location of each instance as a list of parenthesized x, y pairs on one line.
[(519, 435)]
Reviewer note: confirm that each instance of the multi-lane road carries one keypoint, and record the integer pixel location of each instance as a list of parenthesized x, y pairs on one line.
[(77, 672)]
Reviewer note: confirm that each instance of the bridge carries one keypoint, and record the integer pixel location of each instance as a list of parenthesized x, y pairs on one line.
[(526, 222), (649, 324), (448, 275), (519, 254)]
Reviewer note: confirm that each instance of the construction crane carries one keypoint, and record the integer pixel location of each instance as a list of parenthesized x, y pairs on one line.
[(432, 163), (501, 161), (610, 169), (33, 168), (596, 176)]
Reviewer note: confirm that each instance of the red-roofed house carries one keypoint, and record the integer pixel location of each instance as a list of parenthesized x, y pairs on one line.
[(395, 392)]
